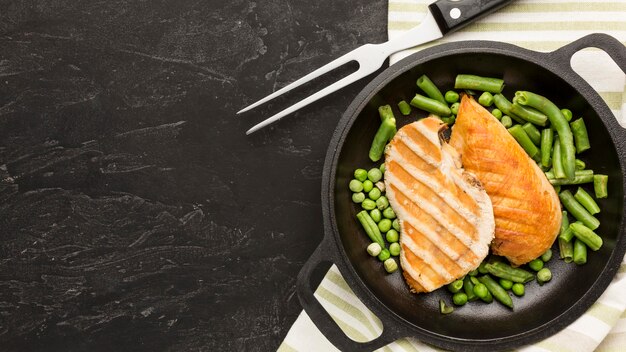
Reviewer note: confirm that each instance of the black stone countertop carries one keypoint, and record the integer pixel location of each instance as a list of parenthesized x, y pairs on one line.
[(135, 215)]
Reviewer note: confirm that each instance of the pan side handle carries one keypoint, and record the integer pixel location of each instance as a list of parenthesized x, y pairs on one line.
[(319, 260), (610, 45)]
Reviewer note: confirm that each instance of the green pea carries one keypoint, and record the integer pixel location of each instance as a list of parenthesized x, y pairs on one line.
[(374, 249), (396, 224), (358, 197), (567, 113), (382, 203), (374, 194), (390, 265), (455, 286), (392, 236), (485, 99), (360, 174), (536, 264), (382, 168), (497, 113), (394, 249), (482, 292), (356, 186), (482, 269), (367, 186), (544, 275), (459, 298), (547, 255), (368, 204), (376, 214), (451, 96), (506, 284), (384, 225), (389, 213), (455, 108), (374, 175), (473, 272), (518, 289), (384, 255)]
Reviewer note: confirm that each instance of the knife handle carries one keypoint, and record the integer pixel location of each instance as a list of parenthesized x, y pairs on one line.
[(452, 15)]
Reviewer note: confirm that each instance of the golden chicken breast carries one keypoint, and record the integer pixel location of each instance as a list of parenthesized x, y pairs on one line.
[(445, 216), (525, 206)]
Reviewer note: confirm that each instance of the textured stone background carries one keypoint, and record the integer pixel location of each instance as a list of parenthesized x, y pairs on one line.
[(135, 215)]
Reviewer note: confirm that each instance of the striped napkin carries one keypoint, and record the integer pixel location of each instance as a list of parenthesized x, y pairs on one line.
[(542, 25)]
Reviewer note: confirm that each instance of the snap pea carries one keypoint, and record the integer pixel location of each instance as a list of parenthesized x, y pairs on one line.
[(455, 286), (451, 96), (468, 287), (587, 236), (525, 142), (579, 130), (544, 275), (566, 250), (485, 84), (482, 292), (431, 105), (529, 114), (532, 132), (580, 252), (505, 271), (557, 159), (577, 210), (580, 176), (404, 107), (371, 228), (485, 99), (600, 183), (430, 88), (559, 122), (385, 132), (586, 201), (518, 289), (496, 290)]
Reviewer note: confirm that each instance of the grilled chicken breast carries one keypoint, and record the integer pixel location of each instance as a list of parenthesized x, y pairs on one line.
[(445, 216), (525, 206)]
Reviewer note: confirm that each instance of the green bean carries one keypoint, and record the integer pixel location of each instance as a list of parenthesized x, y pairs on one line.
[(451, 96), (504, 105), (496, 113), (431, 105), (580, 176), (394, 249), (482, 268), (564, 226), (536, 264), (580, 165), (404, 107), (578, 211), (522, 138), (482, 292), (396, 224), (586, 201), (390, 265), (459, 298), (485, 99), (559, 122), (392, 236), (385, 132), (506, 121), (376, 214), (506, 284), (468, 287), (529, 114), (371, 229), (518, 289), (358, 197), (580, 135), (566, 250), (568, 234), (368, 204), (382, 203), (532, 132), (567, 113), (496, 290), (443, 308), (544, 275), (580, 252), (360, 174), (374, 249), (454, 108), (585, 234), (355, 185), (474, 280), (384, 255), (384, 225), (557, 189), (557, 159), (485, 84), (455, 286), (505, 271), (430, 89), (600, 183), (546, 256), (374, 194), (385, 112), (389, 213), (473, 272)]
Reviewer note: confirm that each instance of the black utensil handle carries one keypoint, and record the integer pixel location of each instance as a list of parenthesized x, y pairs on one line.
[(452, 15), (320, 316)]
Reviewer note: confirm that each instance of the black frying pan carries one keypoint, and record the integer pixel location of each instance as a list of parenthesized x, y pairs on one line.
[(544, 310)]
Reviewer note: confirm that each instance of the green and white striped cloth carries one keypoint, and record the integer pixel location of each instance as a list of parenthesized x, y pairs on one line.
[(542, 25)]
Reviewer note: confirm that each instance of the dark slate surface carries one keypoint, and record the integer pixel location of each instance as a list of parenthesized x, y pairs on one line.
[(134, 212)]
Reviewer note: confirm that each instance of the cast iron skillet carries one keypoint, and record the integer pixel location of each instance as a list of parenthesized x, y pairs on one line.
[(544, 310)]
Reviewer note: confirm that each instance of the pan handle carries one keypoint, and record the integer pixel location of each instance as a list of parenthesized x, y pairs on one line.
[(322, 319)]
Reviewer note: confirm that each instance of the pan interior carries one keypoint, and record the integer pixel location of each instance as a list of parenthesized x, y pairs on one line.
[(476, 320)]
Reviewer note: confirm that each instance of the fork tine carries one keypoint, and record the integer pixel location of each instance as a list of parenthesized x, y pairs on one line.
[(342, 60), (362, 72)]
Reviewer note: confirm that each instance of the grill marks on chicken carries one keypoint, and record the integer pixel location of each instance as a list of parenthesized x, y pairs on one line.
[(445, 215)]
